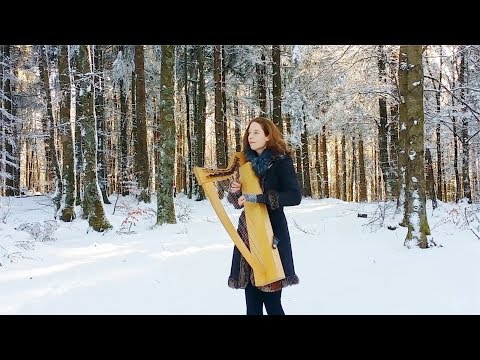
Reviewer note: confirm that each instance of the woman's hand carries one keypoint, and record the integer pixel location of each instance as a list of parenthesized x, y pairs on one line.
[(241, 200)]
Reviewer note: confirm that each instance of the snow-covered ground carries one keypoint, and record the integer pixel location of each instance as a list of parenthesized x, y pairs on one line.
[(346, 264)]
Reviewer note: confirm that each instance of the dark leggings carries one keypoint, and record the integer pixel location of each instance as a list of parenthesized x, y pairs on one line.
[(255, 299)]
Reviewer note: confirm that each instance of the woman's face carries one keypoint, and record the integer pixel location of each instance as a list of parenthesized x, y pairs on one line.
[(257, 138)]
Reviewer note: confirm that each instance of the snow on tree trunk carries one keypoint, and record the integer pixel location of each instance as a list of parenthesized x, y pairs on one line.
[(277, 88), (323, 144), (219, 125), (53, 166), (415, 210), (202, 114), (93, 209), (99, 89), (343, 189), (383, 125), (67, 207), (402, 136), (9, 170)]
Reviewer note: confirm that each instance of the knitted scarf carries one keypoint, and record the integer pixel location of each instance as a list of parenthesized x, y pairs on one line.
[(260, 163)]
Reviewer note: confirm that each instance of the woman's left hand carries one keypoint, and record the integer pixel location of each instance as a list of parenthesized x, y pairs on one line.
[(241, 200)]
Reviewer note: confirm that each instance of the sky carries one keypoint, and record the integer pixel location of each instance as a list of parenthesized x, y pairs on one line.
[(347, 265)]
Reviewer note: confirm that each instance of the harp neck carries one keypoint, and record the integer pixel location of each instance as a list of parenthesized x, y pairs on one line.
[(205, 175)]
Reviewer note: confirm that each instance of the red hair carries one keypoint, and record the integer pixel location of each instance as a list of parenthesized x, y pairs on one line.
[(276, 142)]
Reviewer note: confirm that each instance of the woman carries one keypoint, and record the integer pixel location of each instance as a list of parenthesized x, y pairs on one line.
[(265, 147)]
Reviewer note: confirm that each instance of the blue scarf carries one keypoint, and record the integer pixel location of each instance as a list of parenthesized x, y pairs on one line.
[(260, 163)]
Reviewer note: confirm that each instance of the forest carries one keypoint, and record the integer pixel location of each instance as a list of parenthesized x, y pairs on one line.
[(366, 123)]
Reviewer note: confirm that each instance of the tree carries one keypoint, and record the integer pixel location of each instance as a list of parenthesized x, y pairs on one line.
[(325, 180), (202, 114), (92, 203), (415, 208), (67, 205), (99, 89), (141, 155), (362, 182), (307, 187), (219, 118), (166, 171), (52, 164), (261, 70), (123, 133), (8, 159), (383, 126), (277, 88)]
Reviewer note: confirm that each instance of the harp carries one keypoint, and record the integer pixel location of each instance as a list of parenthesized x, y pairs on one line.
[(263, 256)]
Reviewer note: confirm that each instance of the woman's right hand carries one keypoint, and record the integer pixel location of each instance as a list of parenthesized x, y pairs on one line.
[(235, 186)]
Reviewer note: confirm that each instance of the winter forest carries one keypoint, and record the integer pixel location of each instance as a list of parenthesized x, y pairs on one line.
[(367, 123)]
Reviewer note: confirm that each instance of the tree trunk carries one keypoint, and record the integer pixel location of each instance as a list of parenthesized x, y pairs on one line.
[(202, 114), (440, 181), (194, 122), (68, 178), (224, 105), (100, 117), (261, 83), (219, 126), (416, 215), (79, 147), (344, 169), (53, 166), (179, 159), (236, 115), (458, 184), (141, 154), (123, 140), (375, 185), (93, 209), (430, 181), (166, 171), (307, 186), (393, 131), (362, 183), (277, 88), (337, 171), (352, 172), (318, 169), (46, 121), (326, 186), (383, 126), (462, 79), (187, 111), (8, 133), (402, 135)]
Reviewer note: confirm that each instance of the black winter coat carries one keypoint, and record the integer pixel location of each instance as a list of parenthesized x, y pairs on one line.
[(280, 188)]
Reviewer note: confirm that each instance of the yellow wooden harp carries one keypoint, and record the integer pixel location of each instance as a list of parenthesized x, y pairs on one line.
[(263, 257)]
